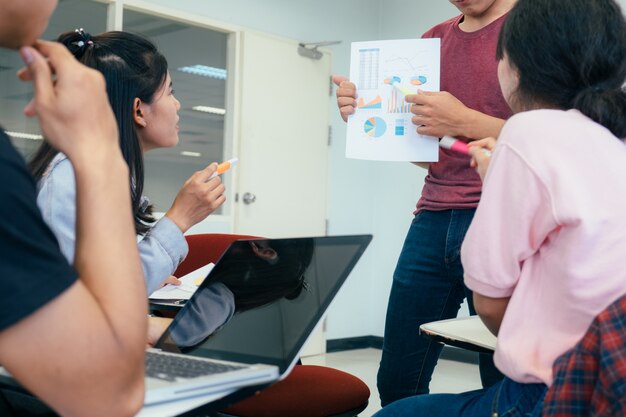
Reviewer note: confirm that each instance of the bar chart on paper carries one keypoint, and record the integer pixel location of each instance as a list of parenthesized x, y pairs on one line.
[(385, 72), (397, 104)]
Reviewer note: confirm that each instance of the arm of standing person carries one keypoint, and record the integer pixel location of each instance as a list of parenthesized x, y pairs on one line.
[(441, 114), (83, 352)]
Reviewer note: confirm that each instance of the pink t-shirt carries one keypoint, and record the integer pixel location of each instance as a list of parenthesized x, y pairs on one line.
[(550, 232), (469, 72)]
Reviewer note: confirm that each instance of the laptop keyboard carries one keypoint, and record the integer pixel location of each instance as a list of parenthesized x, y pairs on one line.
[(169, 367)]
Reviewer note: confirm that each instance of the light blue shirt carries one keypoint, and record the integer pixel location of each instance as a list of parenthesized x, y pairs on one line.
[(161, 249)]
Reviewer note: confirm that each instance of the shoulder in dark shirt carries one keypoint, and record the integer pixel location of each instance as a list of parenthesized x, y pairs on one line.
[(32, 269)]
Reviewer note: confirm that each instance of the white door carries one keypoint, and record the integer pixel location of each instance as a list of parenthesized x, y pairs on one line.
[(283, 144), (283, 139)]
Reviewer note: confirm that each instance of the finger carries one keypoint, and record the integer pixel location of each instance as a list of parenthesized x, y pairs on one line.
[(490, 143), (338, 79), (214, 193), (29, 109), (218, 201), (214, 189), (479, 155), (208, 173), (346, 101), (346, 92), (172, 280), (213, 183), (418, 99), (349, 85), (58, 56), (427, 131), (346, 112), (24, 74), (487, 143), (41, 74), (419, 110), (420, 120)]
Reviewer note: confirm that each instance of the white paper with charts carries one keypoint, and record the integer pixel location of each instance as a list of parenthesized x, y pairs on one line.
[(384, 72)]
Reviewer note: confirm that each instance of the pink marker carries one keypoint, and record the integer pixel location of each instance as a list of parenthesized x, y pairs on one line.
[(448, 142)]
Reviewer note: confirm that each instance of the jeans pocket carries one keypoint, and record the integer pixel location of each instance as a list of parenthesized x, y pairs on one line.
[(417, 216), (519, 400)]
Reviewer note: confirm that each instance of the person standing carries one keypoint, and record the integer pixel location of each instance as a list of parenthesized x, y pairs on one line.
[(428, 280)]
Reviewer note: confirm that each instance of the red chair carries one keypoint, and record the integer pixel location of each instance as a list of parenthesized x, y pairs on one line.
[(309, 391)]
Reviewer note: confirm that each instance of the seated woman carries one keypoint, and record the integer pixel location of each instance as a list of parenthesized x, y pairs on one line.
[(545, 251), (140, 91)]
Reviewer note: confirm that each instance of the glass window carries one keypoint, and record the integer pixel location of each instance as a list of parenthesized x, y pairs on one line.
[(69, 15), (197, 59)]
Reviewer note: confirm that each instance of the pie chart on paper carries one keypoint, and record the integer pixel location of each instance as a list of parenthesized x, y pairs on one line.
[(375, 127)]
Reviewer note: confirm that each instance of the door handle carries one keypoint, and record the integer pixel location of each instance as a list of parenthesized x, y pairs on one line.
[(248, 198)]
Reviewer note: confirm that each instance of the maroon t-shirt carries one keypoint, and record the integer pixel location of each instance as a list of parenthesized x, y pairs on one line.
[(469, 72)]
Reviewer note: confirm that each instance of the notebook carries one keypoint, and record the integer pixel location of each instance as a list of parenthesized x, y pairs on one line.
[(281, 289), (464, 332)]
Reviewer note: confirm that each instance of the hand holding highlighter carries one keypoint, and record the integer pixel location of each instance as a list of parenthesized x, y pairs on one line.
[(224, 166)]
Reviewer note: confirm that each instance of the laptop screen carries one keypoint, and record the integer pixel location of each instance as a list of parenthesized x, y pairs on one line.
[(281, 289)]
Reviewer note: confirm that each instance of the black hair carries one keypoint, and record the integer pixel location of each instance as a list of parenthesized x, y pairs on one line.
[(257, 280), (133, 68), (569, 54)]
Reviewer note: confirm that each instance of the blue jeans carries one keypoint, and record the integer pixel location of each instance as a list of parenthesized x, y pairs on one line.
[(427, 286), (506, 398)]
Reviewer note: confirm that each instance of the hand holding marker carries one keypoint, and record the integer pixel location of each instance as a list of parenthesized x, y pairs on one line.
[(224, 166), (448, 142)]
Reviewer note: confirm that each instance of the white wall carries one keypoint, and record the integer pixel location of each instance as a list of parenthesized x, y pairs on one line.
[(365, 197)]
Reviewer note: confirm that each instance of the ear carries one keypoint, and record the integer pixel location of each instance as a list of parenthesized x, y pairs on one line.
[(138, 113)]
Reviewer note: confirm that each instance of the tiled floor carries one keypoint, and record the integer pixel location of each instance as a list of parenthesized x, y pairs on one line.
[(449, 376)]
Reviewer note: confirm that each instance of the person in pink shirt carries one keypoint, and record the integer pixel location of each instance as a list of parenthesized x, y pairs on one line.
[(545, 251)]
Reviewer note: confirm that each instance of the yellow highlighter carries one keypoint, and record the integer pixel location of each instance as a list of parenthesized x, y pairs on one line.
[(403, 90), (224, 166)]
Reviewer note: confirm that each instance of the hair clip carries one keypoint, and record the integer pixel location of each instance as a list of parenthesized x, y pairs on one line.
[(86, 38)]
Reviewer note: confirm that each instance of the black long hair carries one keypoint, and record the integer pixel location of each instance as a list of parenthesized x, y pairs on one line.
[(256, 279), (133, 68), (569, 54)]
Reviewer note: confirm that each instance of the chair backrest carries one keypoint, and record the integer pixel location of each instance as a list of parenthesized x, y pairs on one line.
[(206, 248)]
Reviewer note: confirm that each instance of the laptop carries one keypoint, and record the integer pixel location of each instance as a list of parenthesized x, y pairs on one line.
[(281, 289)]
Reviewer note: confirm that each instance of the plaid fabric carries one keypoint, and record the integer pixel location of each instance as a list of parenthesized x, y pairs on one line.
[(590, 379)]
